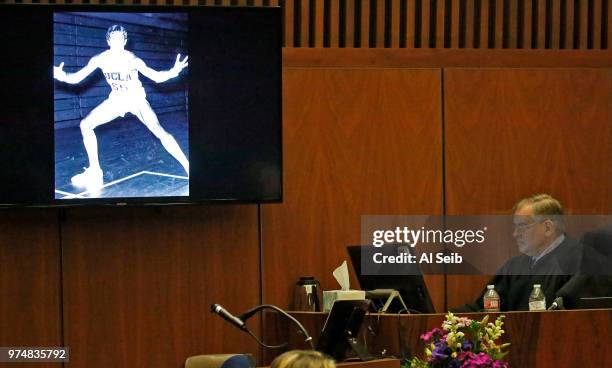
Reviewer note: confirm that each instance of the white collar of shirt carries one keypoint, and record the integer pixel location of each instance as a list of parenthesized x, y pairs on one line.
[(550, 248)]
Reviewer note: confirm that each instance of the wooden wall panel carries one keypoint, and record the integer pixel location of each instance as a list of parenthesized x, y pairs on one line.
[(541, 24), (319, 23), (497, 20), (513, 25), (556, 24), (597, 26), (425, 23), (485, 13), (304, 24), (542, 131), (350, 24), (30, 302), (512, 133), (569, 22), (411, 18), (380, 23), (583, 10), (499, 24), (139, 282), (356, 142), (448, 58), (528, 38), (334, 24), (289, 14), (395, 23), (470, 11), (455, 27), (365, 24), (441, 11)]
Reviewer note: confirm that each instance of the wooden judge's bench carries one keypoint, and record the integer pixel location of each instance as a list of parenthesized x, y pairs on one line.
[(570, 339)]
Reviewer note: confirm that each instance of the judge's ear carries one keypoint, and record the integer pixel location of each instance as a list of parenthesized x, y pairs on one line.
[(551, 228)]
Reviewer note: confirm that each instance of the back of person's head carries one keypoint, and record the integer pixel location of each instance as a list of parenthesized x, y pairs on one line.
[(544, 207), (303, 359)]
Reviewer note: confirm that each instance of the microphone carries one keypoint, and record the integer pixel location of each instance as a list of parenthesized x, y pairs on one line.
[(557, 304), (216, 308), (572, 290), (250, 313)]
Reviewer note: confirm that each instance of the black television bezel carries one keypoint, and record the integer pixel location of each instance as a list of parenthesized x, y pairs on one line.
[(170, 200)]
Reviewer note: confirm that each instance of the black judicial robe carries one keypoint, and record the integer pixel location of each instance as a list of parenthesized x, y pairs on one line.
[(515, 279), (595, 280)]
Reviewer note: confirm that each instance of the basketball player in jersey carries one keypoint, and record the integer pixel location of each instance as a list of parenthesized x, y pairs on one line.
[(120, 68)]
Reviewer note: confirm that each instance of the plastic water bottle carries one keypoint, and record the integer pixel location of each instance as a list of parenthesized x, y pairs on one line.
[(537, 299), (491, 299)]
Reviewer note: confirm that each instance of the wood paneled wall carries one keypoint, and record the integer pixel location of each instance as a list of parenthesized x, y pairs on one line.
[(542, 131), (129, 287), (478, 24), (510, 133), (30, 280), (356, 142), (138, 283), (472, 24)]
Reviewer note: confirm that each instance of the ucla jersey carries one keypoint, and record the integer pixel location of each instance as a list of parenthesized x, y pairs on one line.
[(121, 74)]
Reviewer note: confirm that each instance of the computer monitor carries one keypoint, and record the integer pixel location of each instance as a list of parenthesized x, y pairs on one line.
[(407, 279)]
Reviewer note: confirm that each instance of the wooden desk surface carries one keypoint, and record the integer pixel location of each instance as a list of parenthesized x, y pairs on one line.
[(580, 338), (378, 363)]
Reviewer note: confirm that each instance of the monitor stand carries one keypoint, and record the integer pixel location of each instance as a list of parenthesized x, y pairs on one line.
[(360, 350), (390, 294)]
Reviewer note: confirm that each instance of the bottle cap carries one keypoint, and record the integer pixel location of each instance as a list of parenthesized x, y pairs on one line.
[(536, 285), (490, 287)]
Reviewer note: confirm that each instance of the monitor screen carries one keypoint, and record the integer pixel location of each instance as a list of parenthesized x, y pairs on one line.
[(115, 105), (409, 284)]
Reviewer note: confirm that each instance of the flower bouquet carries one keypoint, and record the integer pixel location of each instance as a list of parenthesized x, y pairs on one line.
[(463, 343)]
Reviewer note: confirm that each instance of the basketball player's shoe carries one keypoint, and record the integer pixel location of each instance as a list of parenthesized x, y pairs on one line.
[(91, 178)]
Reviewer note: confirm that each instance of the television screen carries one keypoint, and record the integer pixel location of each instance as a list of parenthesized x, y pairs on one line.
[(107, 105)]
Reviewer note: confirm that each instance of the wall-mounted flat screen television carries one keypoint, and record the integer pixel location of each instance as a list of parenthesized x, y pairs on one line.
[(140, 105)]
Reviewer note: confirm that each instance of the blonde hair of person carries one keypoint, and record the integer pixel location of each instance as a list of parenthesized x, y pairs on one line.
[(545, 207), (303, 359)]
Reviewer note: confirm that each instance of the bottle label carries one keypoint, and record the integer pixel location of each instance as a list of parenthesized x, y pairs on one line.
[(537, 305), (491, 304)]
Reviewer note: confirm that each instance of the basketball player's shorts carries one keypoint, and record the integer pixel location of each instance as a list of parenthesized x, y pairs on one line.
[(124, 102)]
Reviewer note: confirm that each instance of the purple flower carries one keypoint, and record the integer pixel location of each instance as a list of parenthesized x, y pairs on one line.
[(466, 345), (482, 360), (464, 355), (499, 364), (441, 352), (436, 332)]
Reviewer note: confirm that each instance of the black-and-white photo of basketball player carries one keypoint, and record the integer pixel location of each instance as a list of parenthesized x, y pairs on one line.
[(120, 69)]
